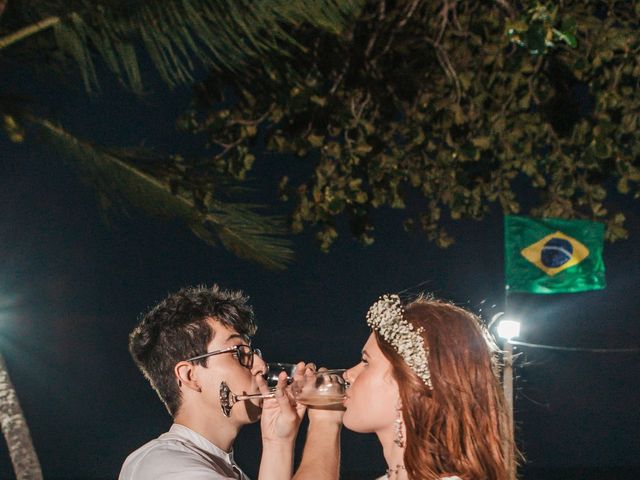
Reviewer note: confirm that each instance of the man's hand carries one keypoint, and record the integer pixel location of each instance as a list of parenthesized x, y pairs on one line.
[(281, 416)]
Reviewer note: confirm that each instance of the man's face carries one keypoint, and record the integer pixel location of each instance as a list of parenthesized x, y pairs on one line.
[(226, 367)]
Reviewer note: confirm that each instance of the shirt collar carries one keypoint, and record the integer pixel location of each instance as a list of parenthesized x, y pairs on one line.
[(201, 442)]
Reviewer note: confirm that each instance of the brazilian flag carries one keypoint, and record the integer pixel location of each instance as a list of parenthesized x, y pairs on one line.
[(553, 255)]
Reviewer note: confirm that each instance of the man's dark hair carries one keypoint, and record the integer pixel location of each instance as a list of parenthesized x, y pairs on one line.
[(177, 329)]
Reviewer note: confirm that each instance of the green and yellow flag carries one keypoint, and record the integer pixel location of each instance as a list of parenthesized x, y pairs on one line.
[(553, 255)]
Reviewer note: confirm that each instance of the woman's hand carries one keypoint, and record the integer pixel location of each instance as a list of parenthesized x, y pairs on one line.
[(329, 415)]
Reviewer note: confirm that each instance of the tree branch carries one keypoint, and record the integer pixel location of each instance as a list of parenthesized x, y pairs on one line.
[(410, 10), (28, 31)]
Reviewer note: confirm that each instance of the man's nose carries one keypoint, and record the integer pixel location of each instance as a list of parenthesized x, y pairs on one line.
[(259, 366)]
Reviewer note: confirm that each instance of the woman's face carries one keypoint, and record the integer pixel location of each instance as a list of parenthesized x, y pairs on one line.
[(372, 399)]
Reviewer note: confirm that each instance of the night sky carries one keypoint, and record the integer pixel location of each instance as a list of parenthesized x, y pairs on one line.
[(72, 287)]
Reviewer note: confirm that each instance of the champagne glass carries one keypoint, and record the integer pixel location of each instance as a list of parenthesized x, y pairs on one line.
[(271, 374), (323, 388)]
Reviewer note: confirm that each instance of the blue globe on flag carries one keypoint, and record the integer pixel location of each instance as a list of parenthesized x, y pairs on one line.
[(556, 252)]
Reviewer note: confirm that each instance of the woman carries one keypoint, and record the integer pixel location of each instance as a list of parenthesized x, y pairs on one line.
[(427, 387)]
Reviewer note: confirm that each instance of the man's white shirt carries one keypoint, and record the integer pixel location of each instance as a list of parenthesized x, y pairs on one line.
[(181, 454)]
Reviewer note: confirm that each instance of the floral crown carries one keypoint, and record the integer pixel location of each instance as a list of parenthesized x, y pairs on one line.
[(386, 316)]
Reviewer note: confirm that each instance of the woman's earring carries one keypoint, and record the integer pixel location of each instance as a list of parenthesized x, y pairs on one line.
[(398, 437)]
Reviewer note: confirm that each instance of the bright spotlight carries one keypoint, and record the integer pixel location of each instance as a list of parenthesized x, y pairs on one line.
[(508, 329)]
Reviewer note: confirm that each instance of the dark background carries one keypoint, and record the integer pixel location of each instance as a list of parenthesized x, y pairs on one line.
[(72, 287)]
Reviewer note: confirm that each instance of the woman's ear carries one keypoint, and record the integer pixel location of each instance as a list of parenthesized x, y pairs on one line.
[(186, 376)]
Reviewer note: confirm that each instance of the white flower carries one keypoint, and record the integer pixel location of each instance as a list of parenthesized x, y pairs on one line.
[(387, 317)]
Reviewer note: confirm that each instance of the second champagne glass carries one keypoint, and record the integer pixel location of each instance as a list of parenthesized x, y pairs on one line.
[(324, 388)]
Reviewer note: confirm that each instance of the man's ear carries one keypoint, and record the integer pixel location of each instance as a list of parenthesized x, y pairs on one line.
[(186, 375)]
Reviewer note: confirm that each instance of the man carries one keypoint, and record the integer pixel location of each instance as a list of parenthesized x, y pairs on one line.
[(186, 346)]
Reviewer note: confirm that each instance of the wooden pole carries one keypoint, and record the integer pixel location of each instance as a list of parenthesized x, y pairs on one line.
[(507, 385)]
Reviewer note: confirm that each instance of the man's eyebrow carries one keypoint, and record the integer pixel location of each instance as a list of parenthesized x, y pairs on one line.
[(233, 336)]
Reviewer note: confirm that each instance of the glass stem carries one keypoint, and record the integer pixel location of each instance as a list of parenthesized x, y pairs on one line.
[(239, 398)]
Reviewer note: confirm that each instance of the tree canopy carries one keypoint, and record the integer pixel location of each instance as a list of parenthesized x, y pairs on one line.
[(176, 37), (454, 105)]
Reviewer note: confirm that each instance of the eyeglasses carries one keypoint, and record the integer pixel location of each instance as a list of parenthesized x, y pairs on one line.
[(244, 354)]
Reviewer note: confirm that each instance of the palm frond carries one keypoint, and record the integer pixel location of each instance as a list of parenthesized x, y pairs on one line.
[(237, 230), (178, 35), (238, 227)]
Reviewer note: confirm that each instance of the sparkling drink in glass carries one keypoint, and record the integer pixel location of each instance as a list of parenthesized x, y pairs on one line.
[(323, 388)]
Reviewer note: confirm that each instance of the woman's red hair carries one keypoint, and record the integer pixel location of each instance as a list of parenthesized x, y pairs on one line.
[(460, 426)]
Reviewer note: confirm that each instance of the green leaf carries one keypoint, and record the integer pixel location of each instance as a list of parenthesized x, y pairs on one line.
[(623, 185), (517, 26), (315, 140), (483, 142), (363, 148), (318, 100), (13, 129), (248, 160), (361, 197), (567, 37)]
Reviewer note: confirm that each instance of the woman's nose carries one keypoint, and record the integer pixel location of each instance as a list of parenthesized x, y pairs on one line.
[(351, 374)]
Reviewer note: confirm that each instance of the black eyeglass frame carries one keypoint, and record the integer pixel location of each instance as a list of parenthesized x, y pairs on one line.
[(235, 348)]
